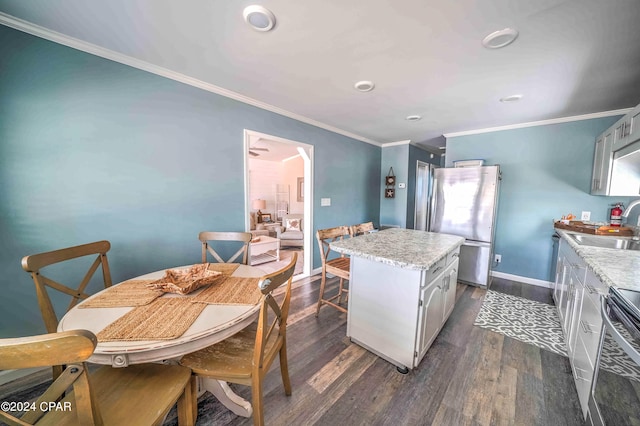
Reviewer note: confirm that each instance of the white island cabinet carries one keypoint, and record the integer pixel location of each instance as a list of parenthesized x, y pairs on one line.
[(401, 292)]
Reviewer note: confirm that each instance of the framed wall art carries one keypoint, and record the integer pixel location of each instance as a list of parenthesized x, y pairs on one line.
[(300, 190), (266, 217)]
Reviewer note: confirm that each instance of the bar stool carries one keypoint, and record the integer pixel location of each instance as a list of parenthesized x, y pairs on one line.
[(339, 267)]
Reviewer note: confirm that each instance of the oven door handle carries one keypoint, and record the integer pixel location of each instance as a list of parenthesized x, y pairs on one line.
[(619, 338)]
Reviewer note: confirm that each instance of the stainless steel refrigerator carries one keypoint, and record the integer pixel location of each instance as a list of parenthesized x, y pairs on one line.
[(464, 203)]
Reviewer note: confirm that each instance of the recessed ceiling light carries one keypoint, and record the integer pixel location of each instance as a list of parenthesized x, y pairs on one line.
[(364, 86), (512, 98), (413, 117), (259, 18), (499, 39)]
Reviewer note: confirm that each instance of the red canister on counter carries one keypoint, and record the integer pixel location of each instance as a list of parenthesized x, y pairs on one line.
[(616, 214)]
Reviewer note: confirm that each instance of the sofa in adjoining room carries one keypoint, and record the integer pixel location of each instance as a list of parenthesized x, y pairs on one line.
[(257, 230), (291, 232)]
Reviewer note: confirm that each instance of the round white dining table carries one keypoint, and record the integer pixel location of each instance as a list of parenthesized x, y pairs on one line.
[(214, 324)]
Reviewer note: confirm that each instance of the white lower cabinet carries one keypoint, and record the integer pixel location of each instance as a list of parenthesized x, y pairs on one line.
[(577, 294), (437, 299), (397, 313)]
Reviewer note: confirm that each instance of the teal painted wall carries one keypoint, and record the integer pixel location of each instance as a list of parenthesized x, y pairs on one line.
[(546, 173), (393, 211), (400, 211), (92, 149)]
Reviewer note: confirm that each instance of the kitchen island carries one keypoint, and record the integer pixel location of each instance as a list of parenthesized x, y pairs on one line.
[(401, 292)]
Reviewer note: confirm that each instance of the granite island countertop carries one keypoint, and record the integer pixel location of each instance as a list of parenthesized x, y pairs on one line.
[(614, 267), (403, 248)]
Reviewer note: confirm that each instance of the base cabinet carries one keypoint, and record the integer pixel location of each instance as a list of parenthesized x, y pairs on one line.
[(397, 313), (437, 299), (577, 292)]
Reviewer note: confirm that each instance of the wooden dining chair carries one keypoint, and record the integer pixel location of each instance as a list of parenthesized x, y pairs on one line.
[(245, 357), (34, 264), (207, 237), (360, 229), (139, 394), (339, 266)]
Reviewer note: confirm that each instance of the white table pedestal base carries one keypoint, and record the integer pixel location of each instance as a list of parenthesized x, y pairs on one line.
[(226, 396)]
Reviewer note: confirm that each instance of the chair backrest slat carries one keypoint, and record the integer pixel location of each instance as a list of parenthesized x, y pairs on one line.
[(327, 236), (34, 264), (360, 229), (69, 348), (276, 329), (243, 237)]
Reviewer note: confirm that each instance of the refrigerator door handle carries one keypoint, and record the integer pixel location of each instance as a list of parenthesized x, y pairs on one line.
[(432, 209), (476, 243)]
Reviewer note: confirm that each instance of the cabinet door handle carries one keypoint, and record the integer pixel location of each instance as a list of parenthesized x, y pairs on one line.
[(586, 327), (437, 269), (579, 373), (456, 254), (591, 289)]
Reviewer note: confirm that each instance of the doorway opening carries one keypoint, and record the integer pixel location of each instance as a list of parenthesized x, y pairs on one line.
[(424, 174), (278, 190)]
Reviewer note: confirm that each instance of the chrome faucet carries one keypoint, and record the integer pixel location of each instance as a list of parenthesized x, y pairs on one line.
[(626, 211)]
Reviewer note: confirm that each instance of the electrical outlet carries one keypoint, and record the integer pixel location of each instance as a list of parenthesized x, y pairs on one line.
[(585, 216), (497, 258)]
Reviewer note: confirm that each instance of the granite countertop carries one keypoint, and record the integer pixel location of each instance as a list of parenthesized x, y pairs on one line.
[(403, 248), (615, 267)]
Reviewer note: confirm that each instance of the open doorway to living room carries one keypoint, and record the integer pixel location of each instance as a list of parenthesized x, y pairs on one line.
[(278, 188)]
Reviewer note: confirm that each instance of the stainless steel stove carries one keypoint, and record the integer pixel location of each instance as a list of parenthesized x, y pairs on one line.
[(615, 393)]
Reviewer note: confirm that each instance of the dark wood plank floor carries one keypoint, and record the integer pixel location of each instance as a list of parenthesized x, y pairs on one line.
[(470, 376)]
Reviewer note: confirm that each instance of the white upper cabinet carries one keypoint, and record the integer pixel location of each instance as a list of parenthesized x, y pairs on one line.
[(616, 161), (627, 129), (602, 164)]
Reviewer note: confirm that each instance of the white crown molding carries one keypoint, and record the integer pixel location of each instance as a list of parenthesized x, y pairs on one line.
[(540, 123), (520, 279), (47, 34), (398, 143)]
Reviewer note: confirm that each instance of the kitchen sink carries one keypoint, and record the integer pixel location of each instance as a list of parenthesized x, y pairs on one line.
[(606, 242)]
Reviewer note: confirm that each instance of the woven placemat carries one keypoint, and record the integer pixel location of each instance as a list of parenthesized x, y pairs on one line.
[(231, 291), (163, 319), (226, 268), (128, 293)]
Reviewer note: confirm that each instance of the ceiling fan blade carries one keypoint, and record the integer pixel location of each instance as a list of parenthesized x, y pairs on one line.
[(260, 149), (254, 154)]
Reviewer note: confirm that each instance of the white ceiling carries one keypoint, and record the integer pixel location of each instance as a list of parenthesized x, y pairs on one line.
[(424, 56), (276, 151)]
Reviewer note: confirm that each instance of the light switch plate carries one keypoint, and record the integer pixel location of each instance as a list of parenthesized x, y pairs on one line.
[(324, 202), (585, 216), (402, 186)]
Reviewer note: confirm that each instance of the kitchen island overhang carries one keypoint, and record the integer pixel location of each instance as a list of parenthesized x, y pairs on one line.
[(401, 292)]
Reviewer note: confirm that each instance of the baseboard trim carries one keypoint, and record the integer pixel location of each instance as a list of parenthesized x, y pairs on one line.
[(7, 376), (526, 280)]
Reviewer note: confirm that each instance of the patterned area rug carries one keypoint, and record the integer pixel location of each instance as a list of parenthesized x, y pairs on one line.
[(538, 324), (614, 358), (522, 319)]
